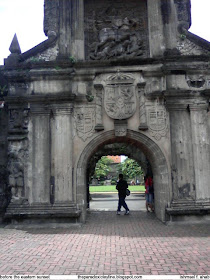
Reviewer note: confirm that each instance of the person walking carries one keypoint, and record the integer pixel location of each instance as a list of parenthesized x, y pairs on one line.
[(122, 185)]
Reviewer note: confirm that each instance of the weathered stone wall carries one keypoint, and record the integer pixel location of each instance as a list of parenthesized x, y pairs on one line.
[(51, 16), (183, 11), (4, 191), (65, 108)]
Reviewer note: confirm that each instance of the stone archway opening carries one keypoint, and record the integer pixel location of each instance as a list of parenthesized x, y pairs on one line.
[(101, 192), (137, 146)]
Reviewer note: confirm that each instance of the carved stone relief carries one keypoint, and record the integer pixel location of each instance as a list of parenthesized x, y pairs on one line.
[(120, 96), (120, 127), (115, 30), (142, 108), (84, 121), (157, 120), (17, 151), (185, 192), (17, 156), (18, 120), (195, 81)]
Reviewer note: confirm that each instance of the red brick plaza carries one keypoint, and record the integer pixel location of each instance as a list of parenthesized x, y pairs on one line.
[(137, 244)]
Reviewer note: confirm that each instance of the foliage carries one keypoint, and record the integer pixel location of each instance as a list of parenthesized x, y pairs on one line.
[(36, 59), (183, 37), (102, 167), (3, 90), (57, 67), (130, 169), (89, 97), (72, 59), (108, 188), (113, 182)]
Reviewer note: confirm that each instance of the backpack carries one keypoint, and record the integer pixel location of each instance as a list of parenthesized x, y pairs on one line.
[(128, 192)]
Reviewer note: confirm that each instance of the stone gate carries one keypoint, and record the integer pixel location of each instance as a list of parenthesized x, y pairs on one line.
[(125, 77)]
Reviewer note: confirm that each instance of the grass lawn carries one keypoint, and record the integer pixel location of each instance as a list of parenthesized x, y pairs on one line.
[(113, 188)]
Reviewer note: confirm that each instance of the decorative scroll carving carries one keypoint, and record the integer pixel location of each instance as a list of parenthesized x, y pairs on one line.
[(99, 122), (116, 30), (120, 97), (157, 121), (142, 108), (84, 121)]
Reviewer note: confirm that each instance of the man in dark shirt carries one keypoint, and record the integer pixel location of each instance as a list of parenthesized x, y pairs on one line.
[(122, 185)]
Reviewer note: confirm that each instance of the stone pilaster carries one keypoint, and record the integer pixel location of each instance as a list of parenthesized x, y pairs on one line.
[(51, 18), (39, 183), (71, 29), (155, 24), (99, 122), (201, 149), (183, 181), (62, 154), (170, 24)]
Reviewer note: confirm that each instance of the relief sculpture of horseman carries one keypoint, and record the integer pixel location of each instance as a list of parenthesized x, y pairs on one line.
[(117, 41)]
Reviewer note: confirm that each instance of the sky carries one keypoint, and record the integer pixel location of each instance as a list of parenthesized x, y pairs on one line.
[(25, 18)]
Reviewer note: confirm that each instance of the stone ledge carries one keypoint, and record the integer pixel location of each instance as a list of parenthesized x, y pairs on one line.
[(186, 207), (38, 98), (182, 210), (41, 212)]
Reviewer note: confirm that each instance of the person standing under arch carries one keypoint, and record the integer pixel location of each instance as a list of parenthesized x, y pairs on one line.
[(122, 185), (149, 193)]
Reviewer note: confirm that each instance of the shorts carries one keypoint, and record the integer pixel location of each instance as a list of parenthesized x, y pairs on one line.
[(149, 197)]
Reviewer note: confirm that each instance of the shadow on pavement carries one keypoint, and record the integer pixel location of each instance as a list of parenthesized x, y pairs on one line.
[(107, 223)]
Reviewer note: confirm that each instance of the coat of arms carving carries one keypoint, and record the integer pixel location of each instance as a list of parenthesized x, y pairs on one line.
[(120, 96), (85, 121), (157, 121)]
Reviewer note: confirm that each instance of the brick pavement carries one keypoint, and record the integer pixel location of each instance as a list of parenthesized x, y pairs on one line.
[(107, 244)]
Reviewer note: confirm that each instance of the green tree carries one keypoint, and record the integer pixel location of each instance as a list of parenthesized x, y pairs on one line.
[(130, 169), (102, 167)]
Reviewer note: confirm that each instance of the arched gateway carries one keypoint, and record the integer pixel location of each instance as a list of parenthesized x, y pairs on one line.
[(151, 150), (110, 72)]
